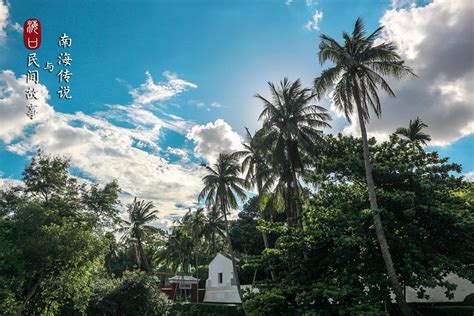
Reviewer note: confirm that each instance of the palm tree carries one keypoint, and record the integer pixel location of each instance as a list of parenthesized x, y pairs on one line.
[(257, 171), (222, 185), (140, 213), (358, 67), (214, 229), (291, 123), (177, 250), (195, 223), (413, 132)]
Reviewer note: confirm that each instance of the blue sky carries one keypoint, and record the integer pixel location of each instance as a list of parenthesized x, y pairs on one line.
[(170, 83)]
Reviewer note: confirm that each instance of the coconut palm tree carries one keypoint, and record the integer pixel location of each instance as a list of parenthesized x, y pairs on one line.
[(214, 229), (177, 250), (292, 125), (413, 132), (257, 171), (140, 214), (195, 223), (222, 185), (359, 65)]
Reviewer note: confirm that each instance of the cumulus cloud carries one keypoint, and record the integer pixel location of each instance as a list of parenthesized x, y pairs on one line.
[(100, 149), (4, 14), (400, 4), (436, 41), (150, 91), (313, 24), (13, 104), (214, 138)]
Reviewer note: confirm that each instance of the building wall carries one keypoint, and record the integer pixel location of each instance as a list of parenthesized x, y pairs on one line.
[(220, 264), (464, 288), (224, 292)]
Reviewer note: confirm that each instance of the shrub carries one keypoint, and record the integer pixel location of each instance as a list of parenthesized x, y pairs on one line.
[(208, 309), (269, 302), (133, 294)]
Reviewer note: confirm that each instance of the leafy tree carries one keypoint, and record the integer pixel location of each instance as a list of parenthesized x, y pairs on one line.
[(291, 124), (223, 186), (428, 210), (359, 65), (140, 214), (244, 232), (134, 294), (413, 132), (48, 240)]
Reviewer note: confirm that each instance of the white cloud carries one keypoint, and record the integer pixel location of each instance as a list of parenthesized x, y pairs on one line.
[(310, 3), (150, 92), (4, 14), (101, 149), (469, 176), (181, 153), (216, 105), (17, 27), (196, 103), (400, 4), (288, 2), (13, 105), (436, 40), (214, 138), (313, 24)]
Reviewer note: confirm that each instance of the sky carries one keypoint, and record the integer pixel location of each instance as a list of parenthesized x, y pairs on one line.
[(160, 86)]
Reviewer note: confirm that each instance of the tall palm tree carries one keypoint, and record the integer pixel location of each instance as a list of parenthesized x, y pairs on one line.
[(222, 185), (257, 171), (292, 124), (177, 250), (214, 229), (413, 132), (140, 214), (195, 222), (358, 67)]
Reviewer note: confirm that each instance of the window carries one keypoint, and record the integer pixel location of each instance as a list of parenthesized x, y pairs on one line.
[(219, 276)]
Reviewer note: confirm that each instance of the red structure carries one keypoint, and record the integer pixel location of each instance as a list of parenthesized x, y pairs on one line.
[(182, 285)]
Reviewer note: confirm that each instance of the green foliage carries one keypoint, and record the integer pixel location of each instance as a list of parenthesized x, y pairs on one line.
[(209, 309), (270, 302), (49, 239), (134, 294), (244, 234), (427, 212)]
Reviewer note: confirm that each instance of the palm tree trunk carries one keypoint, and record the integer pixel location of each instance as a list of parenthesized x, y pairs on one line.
[(196, 257), (384, 248), (264, 234), (143, 260), (231, 250), (296, 197), (296, 194)]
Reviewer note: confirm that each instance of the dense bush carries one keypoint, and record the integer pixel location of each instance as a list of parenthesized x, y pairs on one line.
[(133, 294), (206, 309), (271, 302)]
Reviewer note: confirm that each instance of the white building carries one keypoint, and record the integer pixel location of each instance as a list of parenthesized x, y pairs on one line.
[(220, 286), (437, 295)]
